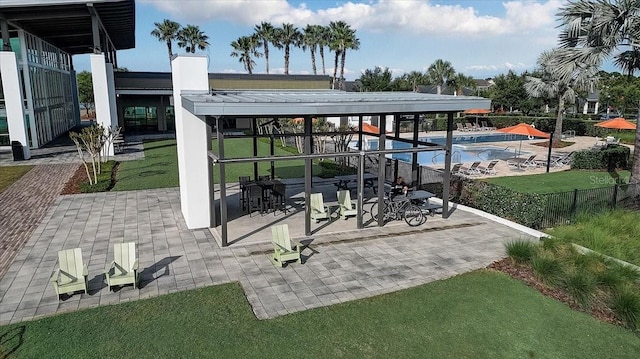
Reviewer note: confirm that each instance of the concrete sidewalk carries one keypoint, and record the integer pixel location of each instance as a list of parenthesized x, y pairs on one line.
[(172, 258)]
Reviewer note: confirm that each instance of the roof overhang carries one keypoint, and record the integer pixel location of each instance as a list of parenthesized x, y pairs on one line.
[(324, 103), (66, 24)]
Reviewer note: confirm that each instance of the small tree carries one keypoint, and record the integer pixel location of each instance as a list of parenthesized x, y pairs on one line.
[(341, 140), (90, 140), (85, 90)]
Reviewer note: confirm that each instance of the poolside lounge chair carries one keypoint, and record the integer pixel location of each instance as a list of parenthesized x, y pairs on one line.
[(486, 127), (460, 127), (124, 267), (284, 249), (470, 126), (71, 274), (457, 169), (523, 162), (489, 170), (346, 206), (473, 170), (318, 209)]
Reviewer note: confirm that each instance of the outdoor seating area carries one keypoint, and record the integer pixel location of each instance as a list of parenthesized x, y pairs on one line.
[(264, 195)]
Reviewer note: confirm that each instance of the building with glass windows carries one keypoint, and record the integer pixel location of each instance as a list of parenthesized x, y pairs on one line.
[(38, 93), (144, 99)]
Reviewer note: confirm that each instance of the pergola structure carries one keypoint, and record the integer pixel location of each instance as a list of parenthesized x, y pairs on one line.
[(198, 110)]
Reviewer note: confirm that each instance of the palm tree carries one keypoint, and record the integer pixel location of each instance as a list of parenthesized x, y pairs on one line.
[(628, 61), (192, 38), (439, 73), (245, 48), (324, 37), (267, 34), (310, 39), (461, 81), (343, 37), (560, 85), (593, 31), (166, 31), (286, 36)]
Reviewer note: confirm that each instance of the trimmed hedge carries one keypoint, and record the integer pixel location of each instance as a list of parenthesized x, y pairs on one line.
[(524, 208), (610, 158), (331, 169)]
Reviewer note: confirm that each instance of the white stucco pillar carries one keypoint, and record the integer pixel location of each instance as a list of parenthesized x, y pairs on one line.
[(102, 94), (111, 87), (189, 74), (14, 103)]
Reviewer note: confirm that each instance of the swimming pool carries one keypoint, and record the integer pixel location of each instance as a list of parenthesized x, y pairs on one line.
[(459, 152), (478, 138)]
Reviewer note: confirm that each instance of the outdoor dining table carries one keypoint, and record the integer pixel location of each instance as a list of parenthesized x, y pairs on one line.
[(369, 178), (421, 199)]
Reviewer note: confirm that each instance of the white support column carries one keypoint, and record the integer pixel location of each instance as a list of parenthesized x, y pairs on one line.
[(102, 93), (111, 87), (14, 102), (189, 74)]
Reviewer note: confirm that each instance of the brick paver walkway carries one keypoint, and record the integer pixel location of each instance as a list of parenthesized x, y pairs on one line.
[(25, 203)]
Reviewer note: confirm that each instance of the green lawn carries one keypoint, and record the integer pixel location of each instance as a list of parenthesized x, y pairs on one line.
[(476, 315), (561, 181), (159, 169), (10, 174)]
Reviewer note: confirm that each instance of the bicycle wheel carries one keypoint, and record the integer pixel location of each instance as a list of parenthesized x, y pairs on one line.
[(413, 216), (374, 212)]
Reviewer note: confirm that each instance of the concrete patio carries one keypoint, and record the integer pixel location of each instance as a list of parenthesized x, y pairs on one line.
[(336, 267)]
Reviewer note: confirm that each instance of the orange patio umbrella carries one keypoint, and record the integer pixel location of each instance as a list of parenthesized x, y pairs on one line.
[(524, 129), (369, 128), (618, 123), (477, 111)]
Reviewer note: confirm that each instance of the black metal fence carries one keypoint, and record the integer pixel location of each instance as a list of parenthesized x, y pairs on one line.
[(562, 208)]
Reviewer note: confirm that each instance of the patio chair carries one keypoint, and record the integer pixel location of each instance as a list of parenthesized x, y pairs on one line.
[(284, 249), (470, 126), (523, 162), (318, 209), (278, 198), (346, 206), (473, 170), (457, 169), (71, 274), (489, 170), (486, 127), (124, 267), (256, 199), (243, 182), (460, 127)]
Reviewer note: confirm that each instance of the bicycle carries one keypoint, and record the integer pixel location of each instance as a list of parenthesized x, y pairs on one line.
[(398, 208)]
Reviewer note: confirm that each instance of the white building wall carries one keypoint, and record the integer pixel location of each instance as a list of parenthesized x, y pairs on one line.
[(14, 102), (102, 94)]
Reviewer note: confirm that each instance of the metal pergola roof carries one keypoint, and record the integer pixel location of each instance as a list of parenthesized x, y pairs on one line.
[(311, 103), (320, 103), (67, 24)]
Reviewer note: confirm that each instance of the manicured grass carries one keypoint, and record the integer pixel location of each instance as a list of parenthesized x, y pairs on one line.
[(10, 174), (561, 181), (476, 315), (159, 169), (615, 234)]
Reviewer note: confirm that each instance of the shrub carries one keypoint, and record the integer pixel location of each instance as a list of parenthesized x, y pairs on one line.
[(581, 286), (625, 303), (331, 169), (521, 251), (609, 158), (628, 273), (546, 268), (524, 208)]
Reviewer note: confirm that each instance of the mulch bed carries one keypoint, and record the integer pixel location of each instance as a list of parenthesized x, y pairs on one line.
[(73, 184), (523, 273)]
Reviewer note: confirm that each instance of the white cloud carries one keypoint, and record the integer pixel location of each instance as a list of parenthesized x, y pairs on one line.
[(418, 16), (497, 67)]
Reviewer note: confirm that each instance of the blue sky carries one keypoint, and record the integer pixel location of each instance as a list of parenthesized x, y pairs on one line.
[(481, 38)]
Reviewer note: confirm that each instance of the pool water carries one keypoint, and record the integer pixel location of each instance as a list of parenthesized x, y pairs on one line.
[(460, 152)]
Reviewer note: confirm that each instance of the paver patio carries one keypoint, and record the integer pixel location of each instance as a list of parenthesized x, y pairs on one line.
[(335, 269)]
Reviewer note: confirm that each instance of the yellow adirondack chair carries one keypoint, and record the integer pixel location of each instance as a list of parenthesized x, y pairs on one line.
[(284, 248), (346, 206), (71, 274), (124, 268), (318, 209)]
